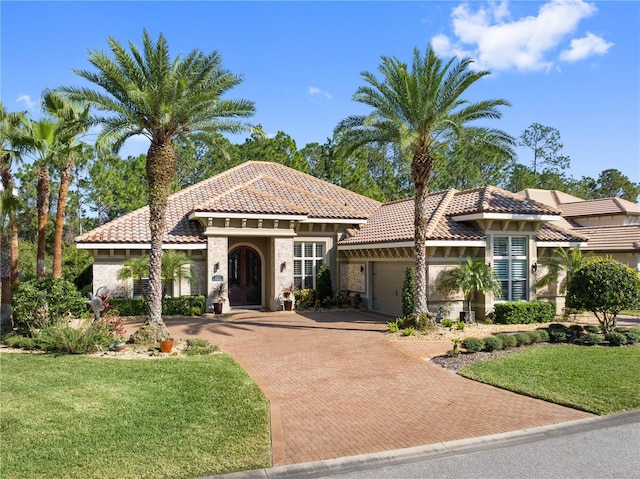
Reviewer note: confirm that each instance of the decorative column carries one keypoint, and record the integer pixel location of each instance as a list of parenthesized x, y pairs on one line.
[(217, 269), (282, 270)]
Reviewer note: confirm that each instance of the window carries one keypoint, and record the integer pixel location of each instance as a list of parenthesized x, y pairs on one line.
[(145, 284), (510, 264), (307, 257)]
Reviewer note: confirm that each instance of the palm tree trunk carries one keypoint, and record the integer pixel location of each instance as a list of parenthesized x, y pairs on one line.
[(421, 167), (6, 320), (161, 165), (15, 250), (65, 180), (44, 188)]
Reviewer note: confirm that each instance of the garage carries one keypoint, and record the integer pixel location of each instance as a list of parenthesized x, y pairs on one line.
[(387, 278)]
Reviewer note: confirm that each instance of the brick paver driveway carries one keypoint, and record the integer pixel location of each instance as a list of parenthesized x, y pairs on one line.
[(339, 388)]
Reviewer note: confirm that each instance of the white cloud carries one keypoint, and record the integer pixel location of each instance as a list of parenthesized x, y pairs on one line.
[(315, 91), (496, 41), (585, 47), (26, 99)]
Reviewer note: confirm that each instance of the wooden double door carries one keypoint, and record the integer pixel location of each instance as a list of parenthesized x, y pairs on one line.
[(245, 277)]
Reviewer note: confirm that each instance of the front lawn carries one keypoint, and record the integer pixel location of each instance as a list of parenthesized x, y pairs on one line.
[(601, 380), (79, 416)]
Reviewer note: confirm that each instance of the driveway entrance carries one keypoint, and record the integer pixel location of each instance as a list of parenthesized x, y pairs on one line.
[(338, 387)]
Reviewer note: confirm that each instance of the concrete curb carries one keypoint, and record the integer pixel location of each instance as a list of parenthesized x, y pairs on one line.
[(452, 448)]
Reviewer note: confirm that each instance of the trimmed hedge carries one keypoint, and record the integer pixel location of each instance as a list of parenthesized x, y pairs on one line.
[(522, 312), (508, 340), (181, 306), (473, 345), (492, 343)]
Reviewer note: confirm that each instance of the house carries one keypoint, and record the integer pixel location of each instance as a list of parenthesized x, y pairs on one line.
[(261, 226)]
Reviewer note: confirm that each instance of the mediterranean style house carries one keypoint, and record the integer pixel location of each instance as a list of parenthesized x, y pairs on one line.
[(261, 227)]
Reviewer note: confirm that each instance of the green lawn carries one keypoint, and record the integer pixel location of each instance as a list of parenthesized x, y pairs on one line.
[(602, 380), (81, 417)]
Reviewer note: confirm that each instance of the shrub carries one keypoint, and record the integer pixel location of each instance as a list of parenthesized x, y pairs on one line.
[(591, 339), (544, 335), (632, 334), (557, 335), (447, 323), (305, 298), (129, 306), (343, 300), (522, 339), (460, 325), (473, 345), (616, 339), (21, 342), (199, 346), (323, 283), (44, 301), (592, 328), (492, 343), (508, 340), (408, 289), (392, 326), (408, 331), (184, 305), (557, 326), (522, 312), (357, 300), (605, 287), (534, 336), (86, 338)]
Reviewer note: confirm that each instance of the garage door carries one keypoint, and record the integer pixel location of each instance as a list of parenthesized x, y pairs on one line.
[(387, 286)]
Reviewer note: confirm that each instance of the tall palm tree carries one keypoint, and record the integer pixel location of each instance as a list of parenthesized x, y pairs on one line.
[(418, 109), (10, 127), (562, 260), (471, 277), (73, 122), (146, 93)]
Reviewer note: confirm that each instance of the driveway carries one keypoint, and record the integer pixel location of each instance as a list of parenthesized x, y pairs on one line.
[(339, 388)]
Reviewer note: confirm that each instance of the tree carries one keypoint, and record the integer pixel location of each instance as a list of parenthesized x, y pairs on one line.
[(419, 109), (471, 277), (136, 269), (408, 291), (280, 149), (73, 122), (146, 93), (562, 260), (613, 184), (544, 141), (175, 265), (605, 287)]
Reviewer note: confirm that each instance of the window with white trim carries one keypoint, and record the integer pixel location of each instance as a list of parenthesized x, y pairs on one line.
[(510, 264), (307, 257), (145, 284)]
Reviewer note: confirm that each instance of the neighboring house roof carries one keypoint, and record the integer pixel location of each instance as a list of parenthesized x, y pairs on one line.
[(251, 188), (612, 238), (394, 222), (599, 207)]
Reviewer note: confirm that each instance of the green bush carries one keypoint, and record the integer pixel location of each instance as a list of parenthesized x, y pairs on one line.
[(324, 289), (557, 335), (184, 305), (593, 328), (200, 346), (128, 306), (508, 340), (522, 339), (343, 300), (632, 334), (447, 323), (392, 326), (535, 336), (616, 339), (544, 335), (408, 290), (492, 343), (19, 341), (357, 300), (522, 312), (591, 339), (305, 298), (40, 302), (408, 331), (86, 338), (473, 345)]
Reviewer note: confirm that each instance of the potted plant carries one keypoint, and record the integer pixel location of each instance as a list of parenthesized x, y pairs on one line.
[(218, 292), (166, 344), (288, 294), (471, 277)]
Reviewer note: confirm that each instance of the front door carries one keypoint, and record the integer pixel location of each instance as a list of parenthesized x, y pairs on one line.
[(245, 288)]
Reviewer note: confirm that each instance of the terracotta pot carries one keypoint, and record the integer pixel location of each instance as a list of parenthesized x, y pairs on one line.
[(217, 308), (166, 345), (288, 305)]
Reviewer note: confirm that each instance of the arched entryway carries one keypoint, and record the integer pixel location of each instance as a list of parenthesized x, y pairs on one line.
[(245, 277)]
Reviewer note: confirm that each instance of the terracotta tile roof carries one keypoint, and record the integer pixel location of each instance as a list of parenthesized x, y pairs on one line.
[(549, 197), (393, 222), (612, 238), (600, 207), (253, 187)]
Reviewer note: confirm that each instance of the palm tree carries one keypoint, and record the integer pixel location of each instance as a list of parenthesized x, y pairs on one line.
[(73, 122), (175, 265), (420, 109), (562, 260), (471, 277), (136, 269), (145, 93)]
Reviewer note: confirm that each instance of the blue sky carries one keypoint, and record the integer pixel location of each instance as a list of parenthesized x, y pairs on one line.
[(572, 65)]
